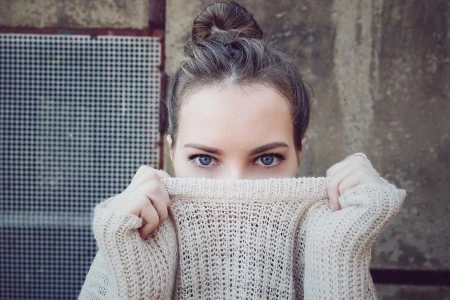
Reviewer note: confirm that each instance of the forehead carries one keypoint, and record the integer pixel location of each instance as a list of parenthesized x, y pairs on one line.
[(235, 114)]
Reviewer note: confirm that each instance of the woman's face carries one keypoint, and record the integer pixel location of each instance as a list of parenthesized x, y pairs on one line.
[(235, 132)]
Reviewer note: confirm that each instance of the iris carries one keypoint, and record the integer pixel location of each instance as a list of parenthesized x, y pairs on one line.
[(267, 159), (204, 160)]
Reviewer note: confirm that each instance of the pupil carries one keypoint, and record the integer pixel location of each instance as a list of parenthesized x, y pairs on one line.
[(205, 160), (267, 159)]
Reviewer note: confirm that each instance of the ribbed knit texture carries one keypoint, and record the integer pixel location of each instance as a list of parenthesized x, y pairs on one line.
[(244, 239)]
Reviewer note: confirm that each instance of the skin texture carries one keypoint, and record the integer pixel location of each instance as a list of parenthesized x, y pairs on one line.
[(232, 131), (235, 120)]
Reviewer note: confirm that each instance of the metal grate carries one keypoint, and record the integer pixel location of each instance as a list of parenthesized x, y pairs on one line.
[(78, 117)]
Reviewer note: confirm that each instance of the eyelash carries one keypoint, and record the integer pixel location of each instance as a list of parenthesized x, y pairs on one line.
[(277, 155), (192, 157)]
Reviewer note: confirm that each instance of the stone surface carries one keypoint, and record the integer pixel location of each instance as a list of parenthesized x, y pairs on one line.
[(400, 292), (75, 13), (380, 71)]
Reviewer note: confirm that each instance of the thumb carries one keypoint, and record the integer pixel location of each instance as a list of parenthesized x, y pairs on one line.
[(162, 174)]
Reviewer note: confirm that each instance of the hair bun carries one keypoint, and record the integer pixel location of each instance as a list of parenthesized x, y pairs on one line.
[(221, 21)]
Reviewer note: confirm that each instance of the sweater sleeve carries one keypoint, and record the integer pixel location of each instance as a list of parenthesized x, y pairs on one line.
[(127, 266), (337, 245)]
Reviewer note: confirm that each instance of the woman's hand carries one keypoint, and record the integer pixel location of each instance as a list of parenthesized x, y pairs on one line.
[(145, 197), (350, 172)]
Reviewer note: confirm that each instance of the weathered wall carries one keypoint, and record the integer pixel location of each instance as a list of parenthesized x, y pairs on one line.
[(380, 71), (75, 13)]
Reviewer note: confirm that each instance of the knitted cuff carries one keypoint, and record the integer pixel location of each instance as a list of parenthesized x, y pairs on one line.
[(375, 196), (109, 223)]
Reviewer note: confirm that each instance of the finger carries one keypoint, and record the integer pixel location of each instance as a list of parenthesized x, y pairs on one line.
[(360, 158), (161, 208), (142, 169), (354, 158), (154, 190), (362, 155), (352, 180), (162, 173), (364, 163), (337, 168), (148, 175), (334, 185), (151, 221)]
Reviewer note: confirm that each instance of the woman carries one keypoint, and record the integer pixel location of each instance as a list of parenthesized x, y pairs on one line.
[(238, 109)]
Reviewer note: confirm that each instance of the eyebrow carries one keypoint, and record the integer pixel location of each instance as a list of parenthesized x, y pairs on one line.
[(268, 147), (257, 150), (204, 148)]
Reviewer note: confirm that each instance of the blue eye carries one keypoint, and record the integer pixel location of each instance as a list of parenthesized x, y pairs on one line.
[(269, 160), (203, 160)]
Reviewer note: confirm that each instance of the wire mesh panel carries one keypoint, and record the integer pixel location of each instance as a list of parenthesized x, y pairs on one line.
[(78, 117)]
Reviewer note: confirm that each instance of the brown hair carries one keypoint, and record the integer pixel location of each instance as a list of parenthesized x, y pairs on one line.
[(227, 45)]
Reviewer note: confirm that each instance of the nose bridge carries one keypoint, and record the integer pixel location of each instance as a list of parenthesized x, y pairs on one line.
[(236, 171)]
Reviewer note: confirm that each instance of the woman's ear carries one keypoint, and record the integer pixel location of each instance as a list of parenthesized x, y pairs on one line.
[(169, 142)]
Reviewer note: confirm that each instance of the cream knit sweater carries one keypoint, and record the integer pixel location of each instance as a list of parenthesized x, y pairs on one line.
[(244, 239)]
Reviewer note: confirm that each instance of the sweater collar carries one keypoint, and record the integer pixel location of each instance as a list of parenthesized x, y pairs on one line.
[(239, 190)]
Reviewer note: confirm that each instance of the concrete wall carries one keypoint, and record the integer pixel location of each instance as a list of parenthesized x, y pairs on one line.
[(380, 71), (74, 13)]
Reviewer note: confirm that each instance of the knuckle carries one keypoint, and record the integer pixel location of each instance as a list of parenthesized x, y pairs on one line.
[(152, 187), (333, 184), (143, 201), (146, 230), (143, 169), (151, 221), (162, 174), (154, 221), (151, 174), (152, 224), (147, 171), (361, 159)]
